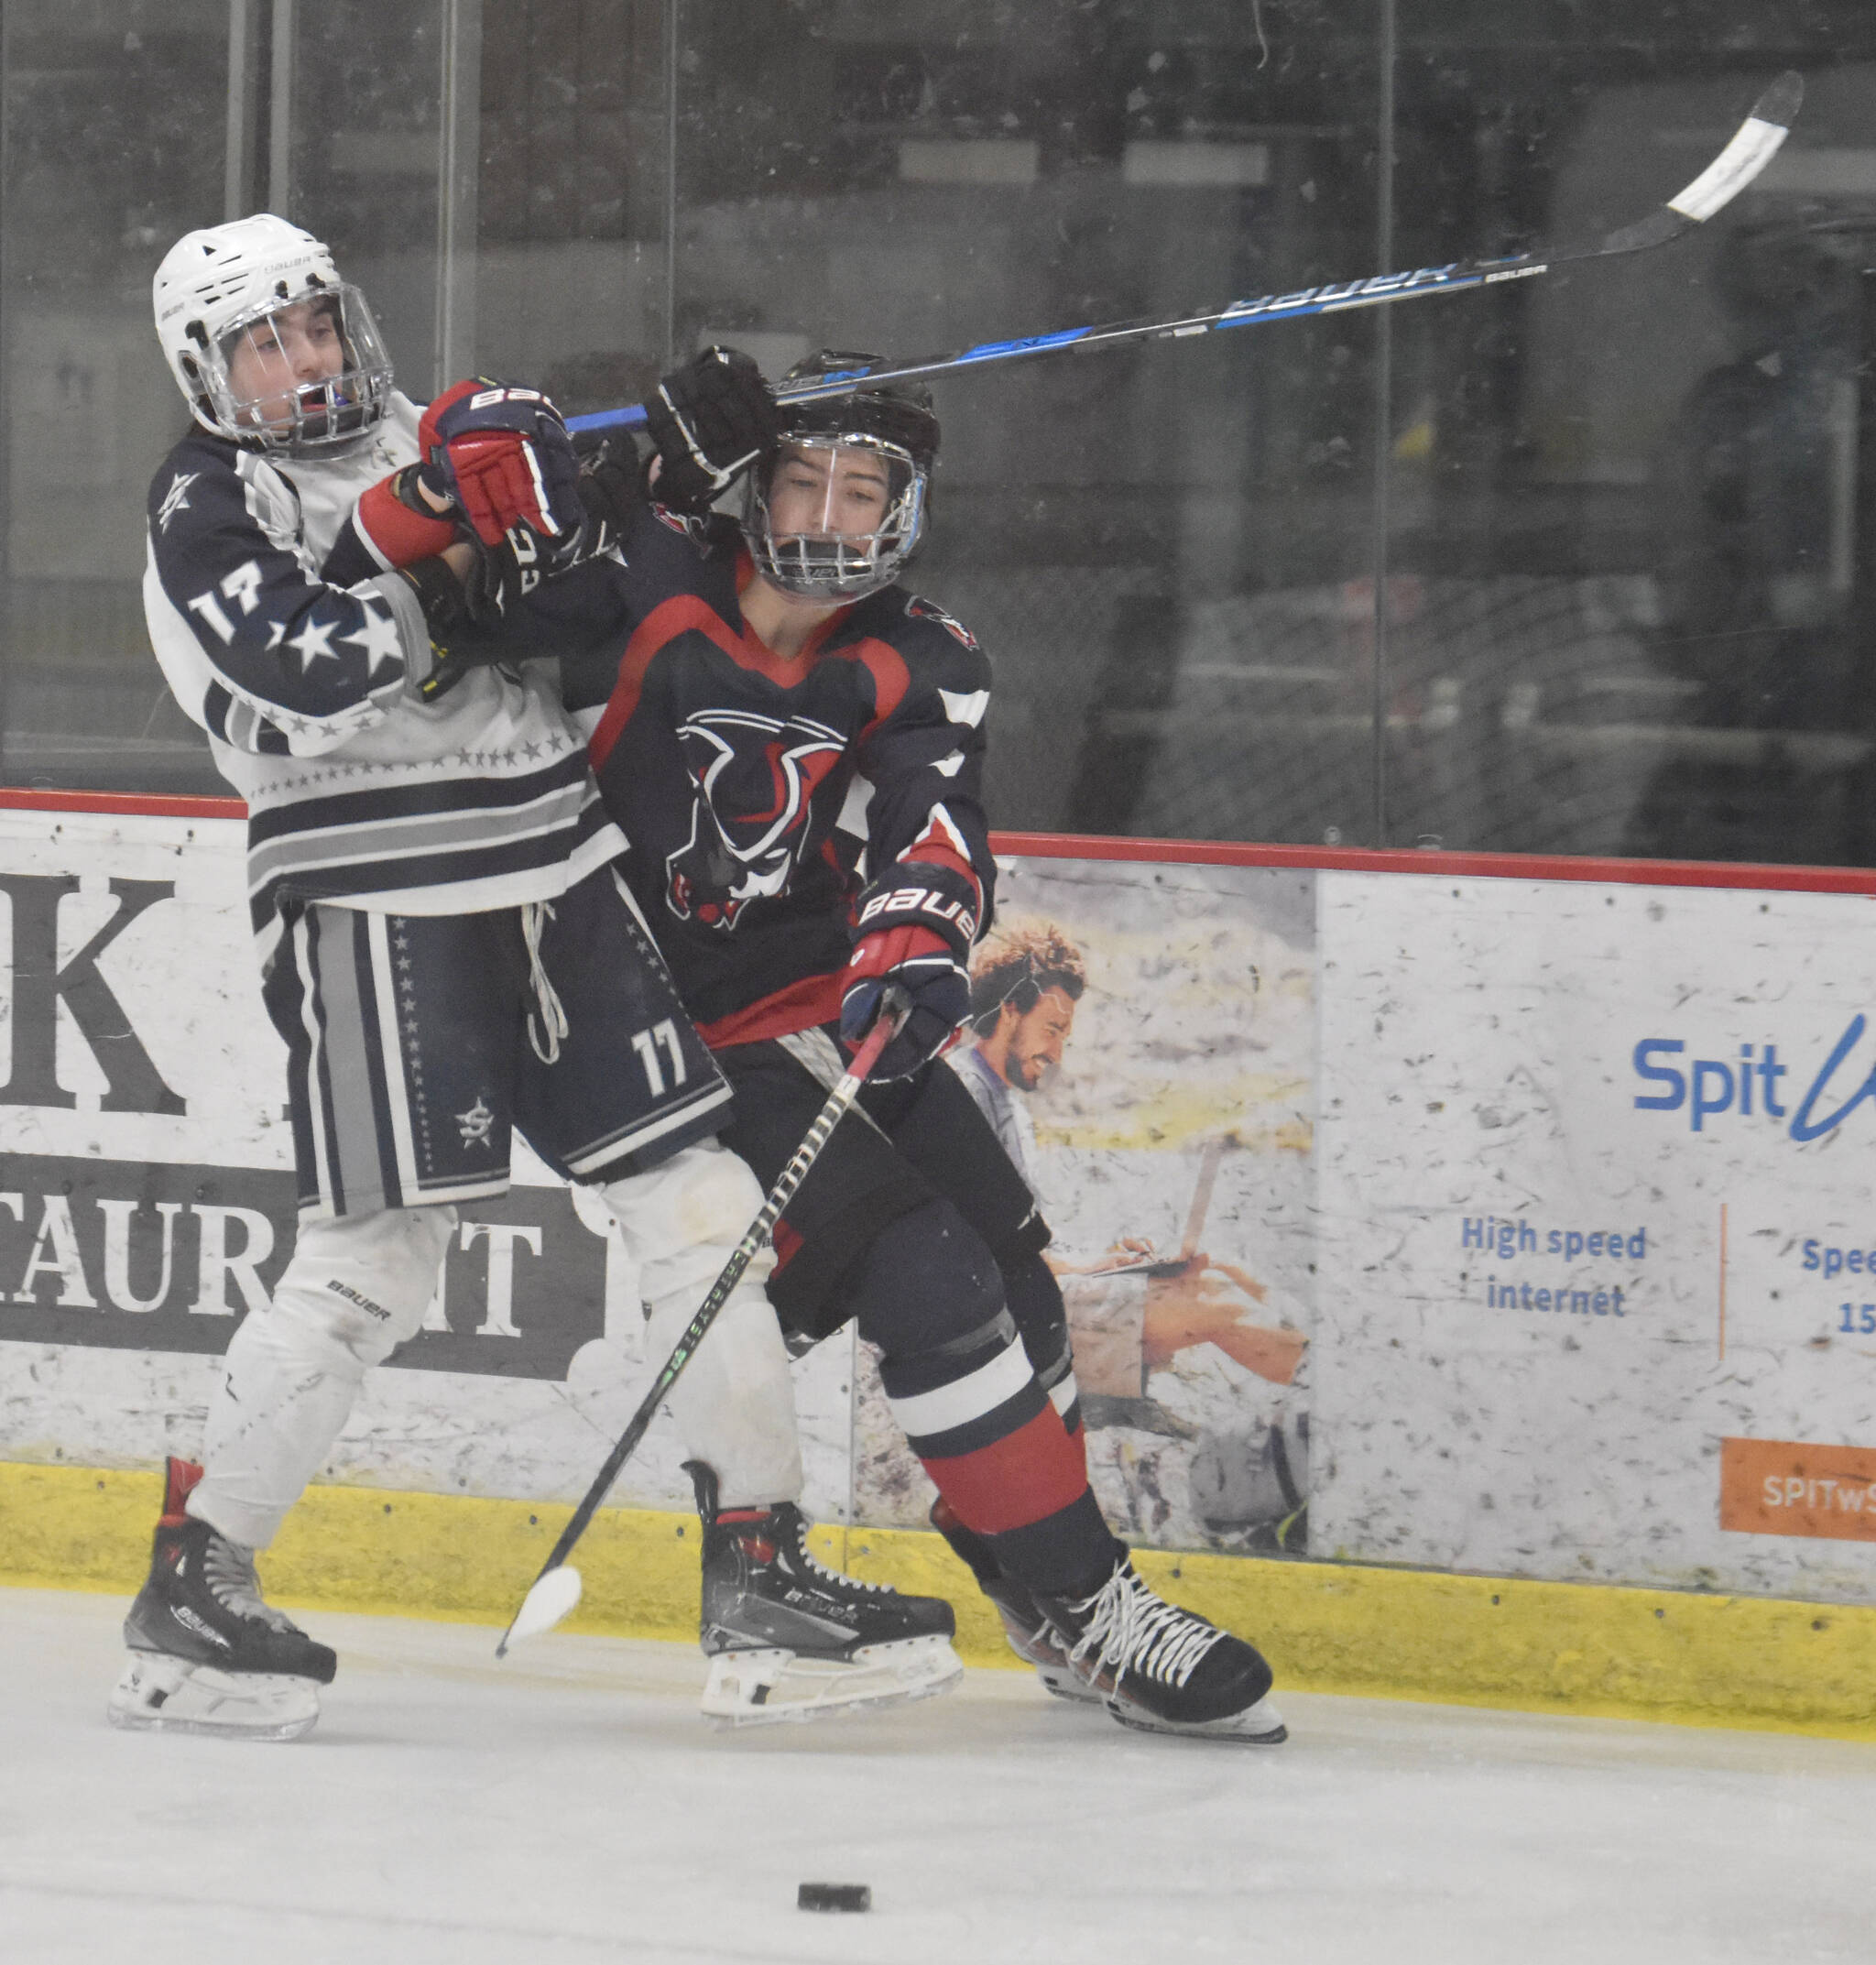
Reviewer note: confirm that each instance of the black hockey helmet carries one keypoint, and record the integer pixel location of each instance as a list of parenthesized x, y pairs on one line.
[(895, 423)]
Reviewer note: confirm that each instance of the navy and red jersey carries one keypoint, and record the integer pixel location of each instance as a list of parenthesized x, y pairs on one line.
[(760, 794)]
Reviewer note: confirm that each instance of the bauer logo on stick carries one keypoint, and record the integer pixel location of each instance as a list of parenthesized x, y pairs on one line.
[(1744, 158)]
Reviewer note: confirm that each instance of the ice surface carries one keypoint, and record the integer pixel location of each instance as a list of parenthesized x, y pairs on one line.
[(570, 1804)]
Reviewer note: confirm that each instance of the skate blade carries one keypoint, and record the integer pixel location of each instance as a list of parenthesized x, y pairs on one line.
[(158, 1694), (765, 1688), (1257, 1726), (1065, 1683), (1058, 1676)]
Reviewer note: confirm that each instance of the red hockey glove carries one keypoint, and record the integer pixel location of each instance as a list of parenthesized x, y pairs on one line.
[(394, 515), (502, 456), (913, 928), (924, 965)]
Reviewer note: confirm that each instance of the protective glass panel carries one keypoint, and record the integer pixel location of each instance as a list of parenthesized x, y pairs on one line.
[(1579, 563)]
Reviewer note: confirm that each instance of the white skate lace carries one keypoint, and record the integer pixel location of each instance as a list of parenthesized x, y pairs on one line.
[(229, 1571), (809, 1561), (535, 916), (1132, 1629)]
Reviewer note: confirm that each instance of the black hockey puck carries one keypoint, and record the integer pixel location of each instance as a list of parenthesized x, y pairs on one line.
[(834, 1896)]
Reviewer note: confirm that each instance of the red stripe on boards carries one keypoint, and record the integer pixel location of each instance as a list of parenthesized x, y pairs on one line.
[(1017, 1481), (1743, 874), (112, 804)]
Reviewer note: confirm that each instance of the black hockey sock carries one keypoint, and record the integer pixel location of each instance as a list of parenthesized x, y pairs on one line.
[(1069, 1554)]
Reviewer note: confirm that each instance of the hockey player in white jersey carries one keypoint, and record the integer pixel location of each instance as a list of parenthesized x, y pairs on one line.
[(447, 953)]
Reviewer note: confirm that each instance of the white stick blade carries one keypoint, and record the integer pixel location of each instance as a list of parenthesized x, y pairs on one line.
[(1755, 143), (552, 1598)]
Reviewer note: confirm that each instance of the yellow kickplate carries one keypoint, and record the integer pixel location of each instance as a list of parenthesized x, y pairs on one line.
[(1695, 1659)]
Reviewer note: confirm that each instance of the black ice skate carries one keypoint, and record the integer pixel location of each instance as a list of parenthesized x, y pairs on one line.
[(1163, 1669), (208, 1655), (789, 1639), (1031, 1636)]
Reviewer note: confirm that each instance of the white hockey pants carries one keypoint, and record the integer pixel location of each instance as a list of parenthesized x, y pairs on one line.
[(734, 1405), (358, 1286)]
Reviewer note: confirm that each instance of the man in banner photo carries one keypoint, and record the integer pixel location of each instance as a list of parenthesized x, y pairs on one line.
[(1132, 1311)]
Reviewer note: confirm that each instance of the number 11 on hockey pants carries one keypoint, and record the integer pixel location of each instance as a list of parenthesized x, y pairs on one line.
[(556, 1590)]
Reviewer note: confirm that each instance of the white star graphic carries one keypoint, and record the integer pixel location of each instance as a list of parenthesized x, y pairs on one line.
[(175, 499), (378, 637), (314, 643)]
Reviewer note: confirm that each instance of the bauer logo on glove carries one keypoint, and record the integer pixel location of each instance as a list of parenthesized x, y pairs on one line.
[(913, 932), (953, 916), (502, 457)]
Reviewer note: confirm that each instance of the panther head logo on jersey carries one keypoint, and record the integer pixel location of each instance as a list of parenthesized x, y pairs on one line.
[(754, 779)]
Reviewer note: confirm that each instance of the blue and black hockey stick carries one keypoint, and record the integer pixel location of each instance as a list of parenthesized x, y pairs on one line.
[(1752, 146)]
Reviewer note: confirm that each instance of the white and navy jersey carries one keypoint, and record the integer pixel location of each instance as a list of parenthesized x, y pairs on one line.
[(288, 639)]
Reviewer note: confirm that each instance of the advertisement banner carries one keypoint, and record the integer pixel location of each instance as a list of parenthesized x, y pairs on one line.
[(1504, 1224), (1596, 1167), (1144, 1043), (146, 1203)]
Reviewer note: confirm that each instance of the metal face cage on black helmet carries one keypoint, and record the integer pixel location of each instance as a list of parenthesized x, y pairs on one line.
[(277, 410), (853, 480)]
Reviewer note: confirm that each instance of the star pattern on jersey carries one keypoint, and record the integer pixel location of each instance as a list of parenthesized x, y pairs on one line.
[(463, 760), (175, 499), (477, 1125), (314, 642), (378, 637), (408, 770), (413, 1068)]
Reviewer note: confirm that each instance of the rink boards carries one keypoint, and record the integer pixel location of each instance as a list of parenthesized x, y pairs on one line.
[(1562, 1170)]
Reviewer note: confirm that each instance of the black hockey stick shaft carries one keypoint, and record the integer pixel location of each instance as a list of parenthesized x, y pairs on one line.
[(1751, 148), (846, 1089)]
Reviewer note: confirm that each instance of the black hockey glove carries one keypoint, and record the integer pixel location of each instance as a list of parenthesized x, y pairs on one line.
[(465, 620), (612, 487), (711, 420), (914, 931)]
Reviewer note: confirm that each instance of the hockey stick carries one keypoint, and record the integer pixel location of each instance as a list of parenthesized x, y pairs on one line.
[(1752, 146), (556, 1590)]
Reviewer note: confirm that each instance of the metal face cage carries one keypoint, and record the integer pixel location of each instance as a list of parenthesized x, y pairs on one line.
[(316, 417), (820, 559)]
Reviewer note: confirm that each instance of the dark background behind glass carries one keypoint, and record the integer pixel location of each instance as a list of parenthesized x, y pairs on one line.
[(1585, 565)]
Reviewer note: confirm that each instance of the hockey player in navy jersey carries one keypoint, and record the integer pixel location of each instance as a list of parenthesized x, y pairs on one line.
[(793, 743), (448, 954)]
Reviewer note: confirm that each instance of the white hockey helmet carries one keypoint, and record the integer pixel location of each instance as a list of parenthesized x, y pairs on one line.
[(223, 284)]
